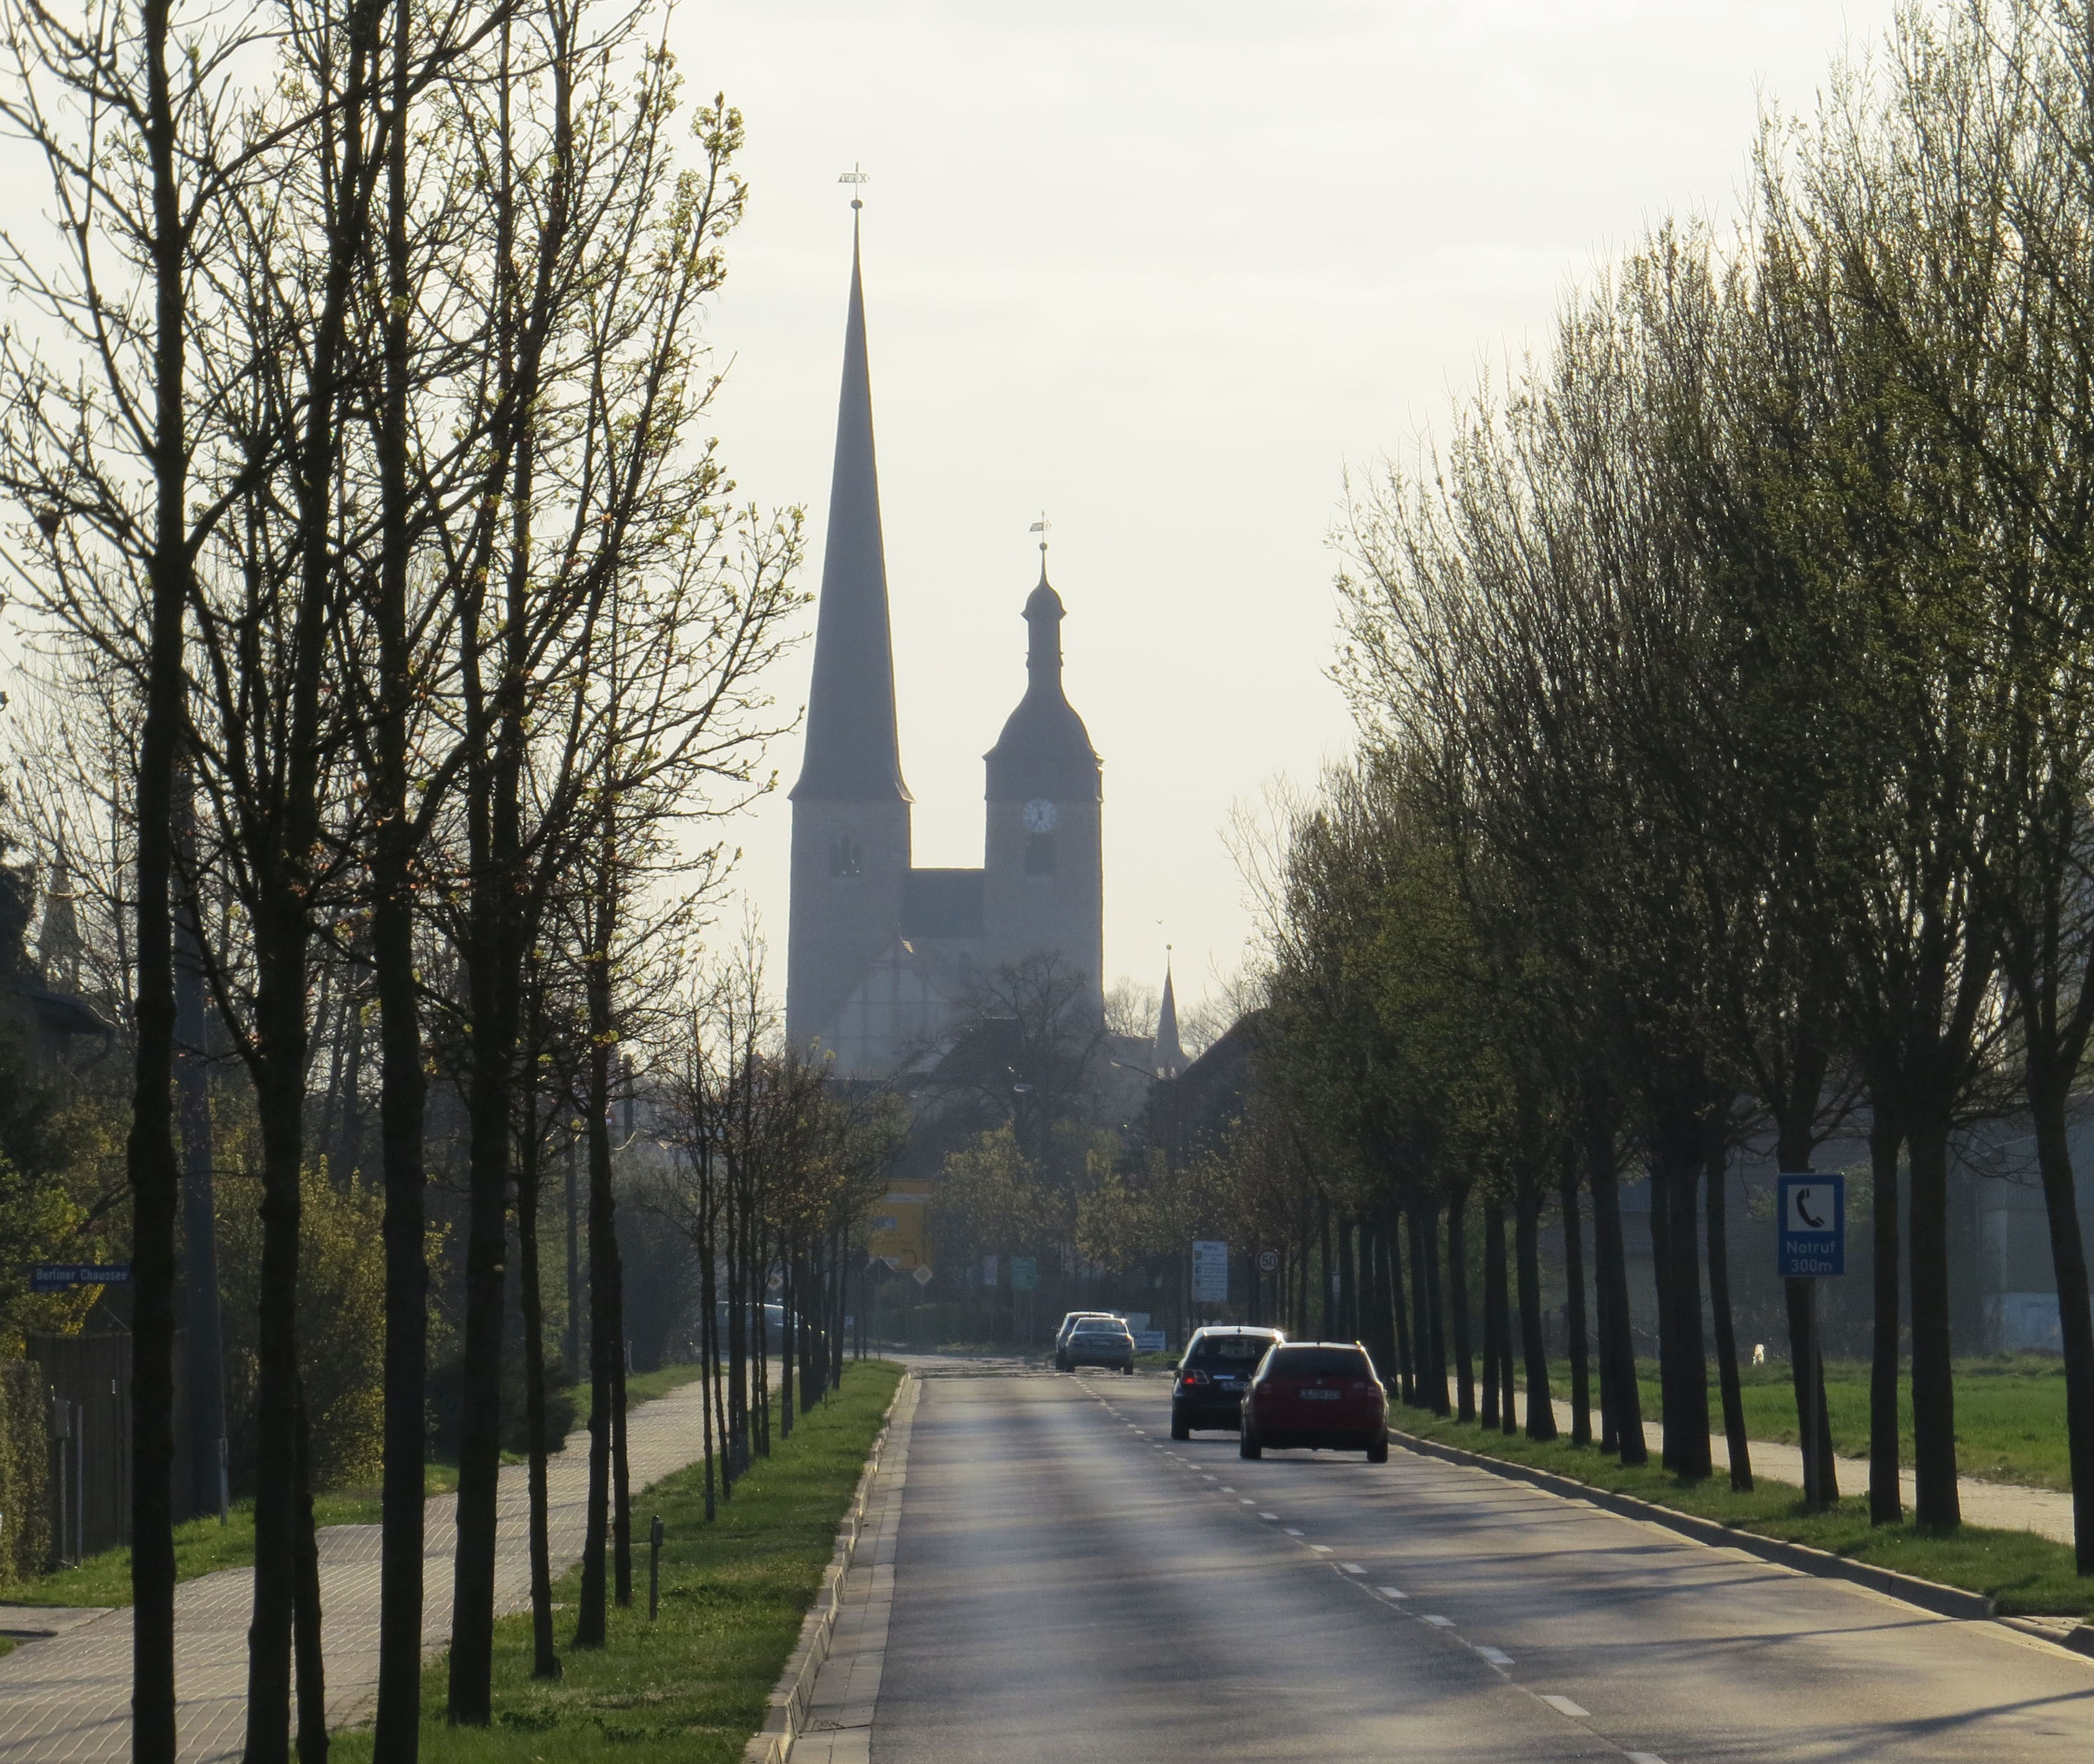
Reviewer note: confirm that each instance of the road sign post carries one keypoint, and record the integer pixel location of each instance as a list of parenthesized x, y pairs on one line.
[(1810, 1246)]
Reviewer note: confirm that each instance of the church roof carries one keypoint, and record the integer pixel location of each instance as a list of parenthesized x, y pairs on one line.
[(853, 752), (941, 903), (1044, 730)]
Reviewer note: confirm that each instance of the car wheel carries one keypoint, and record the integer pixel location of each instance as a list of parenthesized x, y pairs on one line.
[(1128, 1368), (1247, 1445), (1378, 1452), (1180, 1428)]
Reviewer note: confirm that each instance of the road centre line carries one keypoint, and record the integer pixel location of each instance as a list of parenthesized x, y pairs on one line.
[(1350, 1567), (1440, 1623), (1642, 1757), (1495, 1656), (1564, 1706), (1391, 1592), (1322, 1549), (1292, 1530), (1274, 1517)]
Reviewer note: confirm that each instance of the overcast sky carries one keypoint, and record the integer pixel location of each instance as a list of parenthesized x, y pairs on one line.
[(1169, 271)]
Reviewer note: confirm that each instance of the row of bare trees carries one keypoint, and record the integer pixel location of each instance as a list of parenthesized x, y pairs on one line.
[(1726, 687), (348, 406)]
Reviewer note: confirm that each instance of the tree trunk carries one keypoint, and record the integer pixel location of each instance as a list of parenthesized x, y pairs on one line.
[(2068, 1259), (1936, 1500), (1325, 1269), (1527, 1227), (606, 1342), (202, 1325), (1804, 1355), (1421, 1328), (492, 967), (150, 1163), (621, 1465), (544, 1660), (1436, 1335), (1399, 1307), (1694, 1457), (1457, 1300), (279, 1033), (1495, 1346), (1573, 1310), (403, 1094), (1617, 1381), (1727, 1334), (1886, 1494), (305, 1626)]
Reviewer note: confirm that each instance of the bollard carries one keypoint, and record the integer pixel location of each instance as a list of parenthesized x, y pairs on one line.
[(653, 1567)]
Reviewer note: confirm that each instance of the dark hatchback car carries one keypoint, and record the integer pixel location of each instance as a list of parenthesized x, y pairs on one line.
[(1212, 1376), (1316, 1393)]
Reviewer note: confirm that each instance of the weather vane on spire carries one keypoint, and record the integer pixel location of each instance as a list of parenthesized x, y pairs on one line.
[(858, 174), (1043, 527)]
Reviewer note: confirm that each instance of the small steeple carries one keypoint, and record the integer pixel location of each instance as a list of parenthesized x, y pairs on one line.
[(1170, 1054), (853, 752), (58, 938)]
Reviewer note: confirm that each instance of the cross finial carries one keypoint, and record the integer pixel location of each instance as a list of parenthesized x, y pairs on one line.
[(1043, 527), (858, 174)]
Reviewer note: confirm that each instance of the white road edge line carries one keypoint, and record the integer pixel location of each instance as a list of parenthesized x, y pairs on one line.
[(1564, 1706)]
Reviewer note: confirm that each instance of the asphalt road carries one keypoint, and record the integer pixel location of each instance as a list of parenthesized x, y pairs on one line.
[(1071, 1586)]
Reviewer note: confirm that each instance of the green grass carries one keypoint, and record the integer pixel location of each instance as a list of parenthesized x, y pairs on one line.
[(691, 1688), (204, 1546), (2010, 1415), (2029, 1576)]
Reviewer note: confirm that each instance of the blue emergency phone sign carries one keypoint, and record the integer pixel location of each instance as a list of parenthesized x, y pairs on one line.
[(1811, 1238)]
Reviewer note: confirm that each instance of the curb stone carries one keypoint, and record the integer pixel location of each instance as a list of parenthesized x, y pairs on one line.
[(787, 1718), (1928, 1595)]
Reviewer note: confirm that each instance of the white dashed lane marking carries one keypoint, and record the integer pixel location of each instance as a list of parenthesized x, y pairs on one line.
[(1350, 1567), (1440, 1623), (1495, 1656), (1564, 1706), (1274, 1517), (1644, 1757), (1291, 1531), (1391, 1592)]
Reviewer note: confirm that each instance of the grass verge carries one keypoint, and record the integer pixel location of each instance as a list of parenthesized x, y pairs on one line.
[(2028, 1575), (204, 1546), (692, 1687)]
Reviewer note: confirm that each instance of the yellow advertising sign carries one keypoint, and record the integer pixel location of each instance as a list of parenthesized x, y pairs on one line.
[(898, 1232)]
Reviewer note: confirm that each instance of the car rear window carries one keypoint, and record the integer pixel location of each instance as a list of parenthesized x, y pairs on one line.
[(1231, 1350), (1318, 1363), (1101, 1328)]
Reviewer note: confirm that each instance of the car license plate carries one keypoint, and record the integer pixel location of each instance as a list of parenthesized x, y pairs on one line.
[(1320, 1396)]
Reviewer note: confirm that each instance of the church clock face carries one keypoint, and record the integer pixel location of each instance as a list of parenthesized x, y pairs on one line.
[(1039, 816)]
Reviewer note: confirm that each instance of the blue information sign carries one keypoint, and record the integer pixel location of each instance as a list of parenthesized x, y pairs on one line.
[(1811, 1237)]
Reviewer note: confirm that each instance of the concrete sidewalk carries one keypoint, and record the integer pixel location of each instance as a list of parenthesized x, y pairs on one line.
[(68, 1697)]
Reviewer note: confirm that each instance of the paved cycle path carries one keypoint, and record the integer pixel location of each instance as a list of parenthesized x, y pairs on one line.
[(68, 1697)]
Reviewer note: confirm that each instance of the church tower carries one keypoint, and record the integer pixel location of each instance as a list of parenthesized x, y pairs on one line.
[(850, 808), (1045, 887)]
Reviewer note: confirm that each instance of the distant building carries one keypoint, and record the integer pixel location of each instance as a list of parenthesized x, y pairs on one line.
[(880, 954)]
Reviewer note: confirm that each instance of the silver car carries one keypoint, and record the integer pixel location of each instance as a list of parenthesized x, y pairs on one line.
[(1098, 1341)]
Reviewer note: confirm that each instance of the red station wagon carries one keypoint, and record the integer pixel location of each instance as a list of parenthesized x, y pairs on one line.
[(1316, 1393)]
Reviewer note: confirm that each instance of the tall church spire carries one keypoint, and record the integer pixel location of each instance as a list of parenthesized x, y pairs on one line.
[(1170, 1051), (852, 754)]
